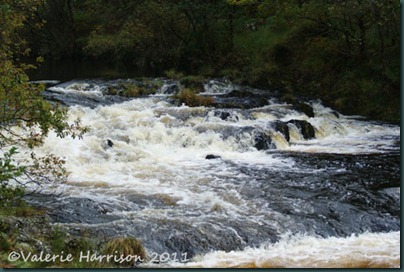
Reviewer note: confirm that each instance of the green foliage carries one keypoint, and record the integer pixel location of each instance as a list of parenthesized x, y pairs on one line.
[(57, 240), (193, 82), (26, 118), (339, 51), (5, 243), (126, 246)]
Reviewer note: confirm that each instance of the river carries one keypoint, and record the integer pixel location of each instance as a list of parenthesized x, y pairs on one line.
[(272, 196)]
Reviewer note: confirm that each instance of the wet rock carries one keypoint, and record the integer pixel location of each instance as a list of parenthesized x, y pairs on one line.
[(240, 103), (240, 94), (224, 115), (298, 105), (262, 141), (170, 88), (212, 157), (336, 114), (81, 210), (305, 108), (393, 193), (221, 114), (306, 129), (242, 99), (281, 127)]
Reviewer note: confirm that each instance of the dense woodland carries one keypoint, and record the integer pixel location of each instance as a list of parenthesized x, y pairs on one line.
[(346, 52)]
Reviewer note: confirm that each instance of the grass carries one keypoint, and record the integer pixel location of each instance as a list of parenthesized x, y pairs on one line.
[(125, 246)]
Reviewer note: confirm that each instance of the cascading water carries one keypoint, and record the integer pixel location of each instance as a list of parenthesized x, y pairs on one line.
[(283, 189)]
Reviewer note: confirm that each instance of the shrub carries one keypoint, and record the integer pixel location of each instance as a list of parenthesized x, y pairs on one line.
[(194, 82)]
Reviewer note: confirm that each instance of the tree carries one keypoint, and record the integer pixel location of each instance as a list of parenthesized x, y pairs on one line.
[(25, 117), (342, 51)]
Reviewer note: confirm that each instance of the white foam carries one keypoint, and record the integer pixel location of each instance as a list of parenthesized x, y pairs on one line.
[(81, 88), (369, 250)]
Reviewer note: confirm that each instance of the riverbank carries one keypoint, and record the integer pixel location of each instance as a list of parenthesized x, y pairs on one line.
[(33, 240)]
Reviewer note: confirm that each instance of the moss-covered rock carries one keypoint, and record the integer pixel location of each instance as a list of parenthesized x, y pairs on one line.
[(191, 98)]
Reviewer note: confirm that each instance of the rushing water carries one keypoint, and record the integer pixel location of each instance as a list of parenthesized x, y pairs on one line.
[(266, 200)]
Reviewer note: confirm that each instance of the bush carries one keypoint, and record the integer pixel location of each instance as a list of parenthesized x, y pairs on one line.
[(194, 82), (10, 195)]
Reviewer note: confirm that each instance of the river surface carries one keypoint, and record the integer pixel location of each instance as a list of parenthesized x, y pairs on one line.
[(268, 198)]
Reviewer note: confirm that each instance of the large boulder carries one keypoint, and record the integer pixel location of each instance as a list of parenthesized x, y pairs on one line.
[(282, 128), (171, 88), (306, 129), (297, 105), (222, 114), (305, 108), (262, 141)]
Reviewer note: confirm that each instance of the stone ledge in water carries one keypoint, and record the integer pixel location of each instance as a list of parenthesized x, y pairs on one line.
[(282, 128), (305, 108), (306, 129), (245, 98), (262, 141), (212, 157), (240, 103)]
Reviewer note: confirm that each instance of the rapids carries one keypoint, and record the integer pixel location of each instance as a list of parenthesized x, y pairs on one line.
[(269, 200)]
